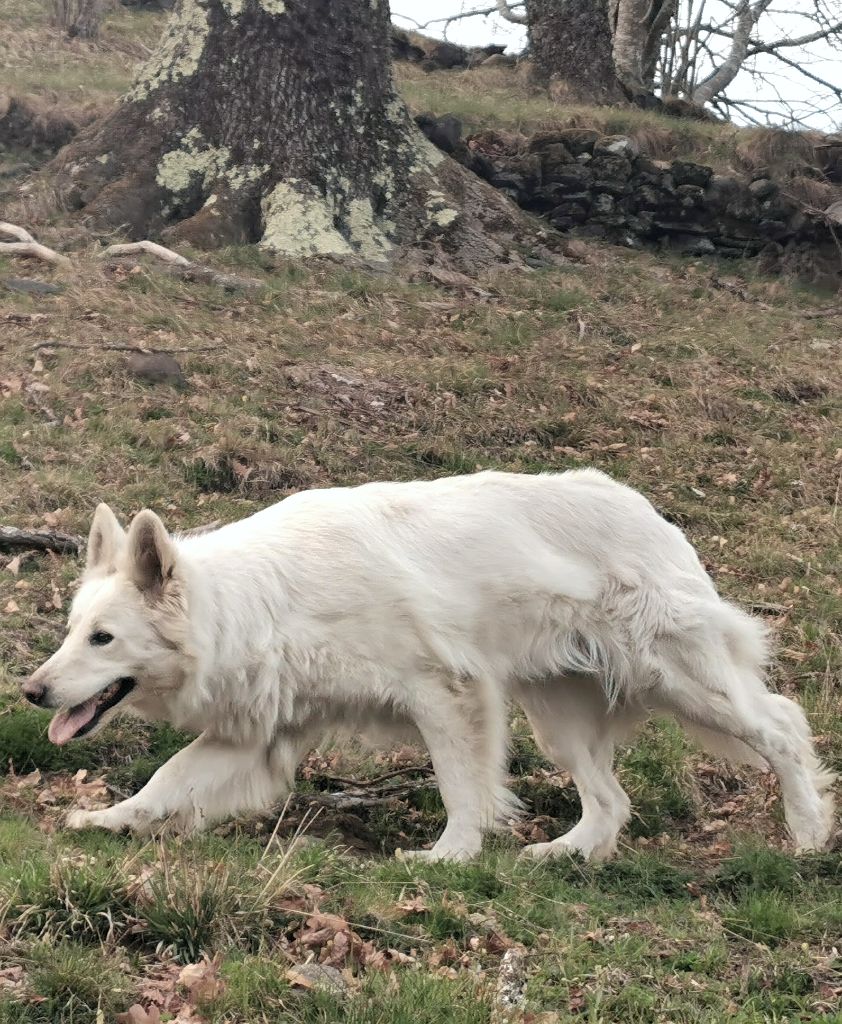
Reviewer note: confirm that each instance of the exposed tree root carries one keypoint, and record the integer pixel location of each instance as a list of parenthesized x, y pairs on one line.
[(152, 248), (21, 234), (36, 251)]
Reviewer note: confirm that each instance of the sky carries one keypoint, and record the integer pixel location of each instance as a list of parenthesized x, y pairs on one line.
[(814, 104)]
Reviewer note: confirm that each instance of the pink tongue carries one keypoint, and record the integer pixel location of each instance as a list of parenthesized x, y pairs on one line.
[(66, 724)]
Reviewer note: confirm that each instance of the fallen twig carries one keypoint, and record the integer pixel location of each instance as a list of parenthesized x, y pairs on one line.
[(36, 250), (424, 769), (125, 348), (769, 608), (21, 234), (351, 800), (13, 539)]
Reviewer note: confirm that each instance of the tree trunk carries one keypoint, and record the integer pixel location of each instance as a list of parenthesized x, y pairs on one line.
[(571, 43), (277, 121), (604, 51)]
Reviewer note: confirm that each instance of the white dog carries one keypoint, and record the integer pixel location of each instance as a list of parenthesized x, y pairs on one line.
[(421, 608)]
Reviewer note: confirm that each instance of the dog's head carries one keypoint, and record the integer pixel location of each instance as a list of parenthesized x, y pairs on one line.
[(127, 631)]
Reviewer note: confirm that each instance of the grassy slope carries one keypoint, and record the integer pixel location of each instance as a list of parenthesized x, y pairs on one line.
[(702, 384)]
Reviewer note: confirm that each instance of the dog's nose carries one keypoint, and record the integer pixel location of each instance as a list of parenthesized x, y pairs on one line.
[(35, 693)]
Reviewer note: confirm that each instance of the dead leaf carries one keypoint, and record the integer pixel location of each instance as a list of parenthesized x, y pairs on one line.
[(13, 565), (414, 905), (202, 980), (11, 607)]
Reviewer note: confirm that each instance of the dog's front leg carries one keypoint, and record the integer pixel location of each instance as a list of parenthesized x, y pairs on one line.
[(469, 775), (206, 781)]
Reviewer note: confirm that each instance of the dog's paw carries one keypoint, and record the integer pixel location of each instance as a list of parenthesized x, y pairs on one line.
[(96, 819), (82, 819)]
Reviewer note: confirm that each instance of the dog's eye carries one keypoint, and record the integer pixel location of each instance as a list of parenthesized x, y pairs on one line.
[(100, 638)]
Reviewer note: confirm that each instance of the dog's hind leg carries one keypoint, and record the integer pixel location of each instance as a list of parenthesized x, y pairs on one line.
[(463, 725), (573, 727), (205, 782), (716, 681)]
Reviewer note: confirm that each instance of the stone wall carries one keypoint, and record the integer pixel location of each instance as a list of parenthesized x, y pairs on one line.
[(604, 187)]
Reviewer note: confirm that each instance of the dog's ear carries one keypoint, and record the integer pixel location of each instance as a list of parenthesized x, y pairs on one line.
[(151, 554), (105, 541)]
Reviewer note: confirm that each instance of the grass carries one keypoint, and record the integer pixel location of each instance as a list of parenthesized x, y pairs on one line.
[(702, 383)]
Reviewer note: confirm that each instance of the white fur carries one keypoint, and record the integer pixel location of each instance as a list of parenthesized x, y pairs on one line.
[(424, 607)]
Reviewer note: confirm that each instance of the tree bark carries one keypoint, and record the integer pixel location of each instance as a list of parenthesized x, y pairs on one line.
[(571, 42), (277, 121), (604, 51)]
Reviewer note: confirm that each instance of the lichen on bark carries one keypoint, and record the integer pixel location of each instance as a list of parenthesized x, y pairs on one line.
[(274, 122)]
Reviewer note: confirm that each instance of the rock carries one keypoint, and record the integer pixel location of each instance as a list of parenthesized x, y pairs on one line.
[(447, 55), (692, 245), (30, 287), (512, 184), (568, 215), (476, 162), (321, 977), (762, 188), (829, 156), (621, 144), (774, 229), (691, 195), (685, 173), (580, 140), (445, 132), (573, 178), (156, 368), (577, 140), (499, 60), (403, 47), (553, 158), (834, 212), (611, 172), (602, 204)]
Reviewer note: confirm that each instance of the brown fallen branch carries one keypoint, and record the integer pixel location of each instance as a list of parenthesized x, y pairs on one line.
[(36, 251), (350, 799), (125, 348), (183, 267), (13, 539), (423, 769), (21, 234)]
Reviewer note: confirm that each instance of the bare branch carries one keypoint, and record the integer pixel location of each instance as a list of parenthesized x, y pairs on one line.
[(481, 13), (721, 77), (779, 44), (506, 11)]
